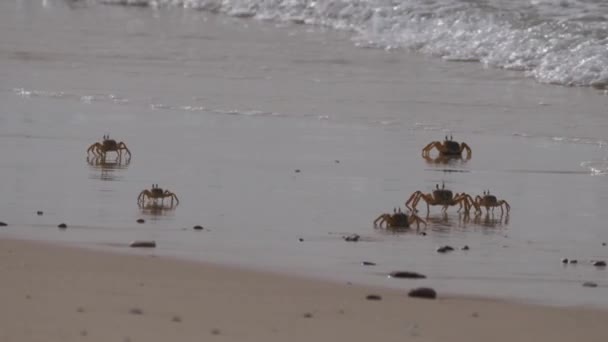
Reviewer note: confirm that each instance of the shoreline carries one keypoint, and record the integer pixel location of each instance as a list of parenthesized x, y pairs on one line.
[(55, 292)]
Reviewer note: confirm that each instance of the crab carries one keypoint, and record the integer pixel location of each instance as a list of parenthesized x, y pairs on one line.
[(398, 220), (442, 197), (447, 148), (108, 145), (156, 193), (490, 201)]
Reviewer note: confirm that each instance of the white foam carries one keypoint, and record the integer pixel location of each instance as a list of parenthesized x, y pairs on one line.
[(560, 42)]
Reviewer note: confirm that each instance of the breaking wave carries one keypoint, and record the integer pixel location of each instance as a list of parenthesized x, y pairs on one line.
[(554, 41)]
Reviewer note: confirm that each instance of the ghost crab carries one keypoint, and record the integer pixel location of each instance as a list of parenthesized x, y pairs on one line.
[(442, 197), (154, 194), (490, 201), (100, 149), (398, 220), (447, 149)]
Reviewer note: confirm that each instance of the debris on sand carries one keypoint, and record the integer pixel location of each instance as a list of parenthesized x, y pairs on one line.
[(373, 297), (406, 275), (351, 238), (62, 226), (423, 292), (143, 244), (445, 249)]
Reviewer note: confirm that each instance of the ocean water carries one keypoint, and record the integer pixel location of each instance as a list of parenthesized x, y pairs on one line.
[(223, 111), (554, 41)]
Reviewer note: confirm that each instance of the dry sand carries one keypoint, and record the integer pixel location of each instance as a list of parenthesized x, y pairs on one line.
[(51, 293)]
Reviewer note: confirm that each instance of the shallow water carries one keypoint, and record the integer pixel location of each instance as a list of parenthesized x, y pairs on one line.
[(225, 122)]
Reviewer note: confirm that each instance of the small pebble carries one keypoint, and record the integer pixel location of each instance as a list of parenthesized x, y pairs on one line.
[(136, 311), (215, 331), (39, 213), (465, 248), (599, 263), (297, 171), (368, 263), (603, 244), (373, 297), (62, 226), (141, 220), (176, 319), (198, 227), (143, 244), (573, 261), (422, 233), (423, 292), (301, 240), (337, 161), (83, 333), (307, 315), (475, 314), (564, 260), (352, 238), (589, 284), (2, 224), (445, 249), (406, 275), (80, 309)]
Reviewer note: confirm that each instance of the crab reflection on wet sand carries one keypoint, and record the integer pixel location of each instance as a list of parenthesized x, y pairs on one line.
[(490, 201), (440, 197), (154, 194), (100, 149), (447, 148), (107, 168), (398, 220), (156, 209)]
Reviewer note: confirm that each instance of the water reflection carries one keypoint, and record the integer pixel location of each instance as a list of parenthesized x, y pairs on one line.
[(107, 167), (445, 160), (157, 209), (489, 220)]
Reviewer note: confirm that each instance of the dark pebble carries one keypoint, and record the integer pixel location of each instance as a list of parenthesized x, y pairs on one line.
[(337, 161), (215, 331), (301, 240), (136, 311), (352, 238), (373, 297), (603, 244), (141, 220), (599, 263), (368, 263), (423, 292), (143, 244), (406, 275), (198, 228), (297, 171), (445, 249), (307, 315), (62, 225), (465, 248), (564, 260), (2, 224), (39, 213), (589, 284), (423, 233), (573, 261), (176, 319)]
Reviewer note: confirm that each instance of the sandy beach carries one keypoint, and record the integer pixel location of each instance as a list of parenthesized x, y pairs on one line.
[(52, 293), (280, 139)]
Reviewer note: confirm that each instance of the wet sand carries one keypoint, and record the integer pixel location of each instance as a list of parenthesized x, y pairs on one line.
[(52, 293), (222, 111)]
